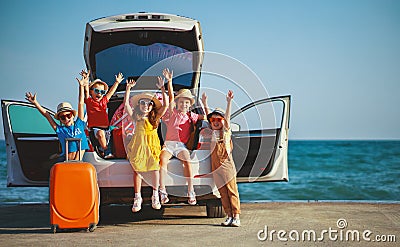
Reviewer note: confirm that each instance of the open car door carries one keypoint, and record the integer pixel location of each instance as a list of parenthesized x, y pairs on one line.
[(30, 144), (260, 140)]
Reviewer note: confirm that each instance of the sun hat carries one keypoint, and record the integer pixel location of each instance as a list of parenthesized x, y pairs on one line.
[(98, 81), (217, 111), (135, 99), (63, 107), (185, 93)]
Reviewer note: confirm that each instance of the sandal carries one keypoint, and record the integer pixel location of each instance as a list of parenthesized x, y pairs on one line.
[(192, 198), (164, 197)]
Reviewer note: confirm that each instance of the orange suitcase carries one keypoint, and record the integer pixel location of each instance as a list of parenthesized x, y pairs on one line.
[(74, 195)]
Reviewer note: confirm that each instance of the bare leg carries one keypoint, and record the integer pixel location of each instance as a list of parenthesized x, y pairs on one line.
[(137, 200), (155, 179), (164, 159), (101, 137), (137, 182), (184, 156), (155, 199)]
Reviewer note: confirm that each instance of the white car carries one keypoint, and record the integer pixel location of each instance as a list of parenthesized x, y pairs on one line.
[(132, 44)]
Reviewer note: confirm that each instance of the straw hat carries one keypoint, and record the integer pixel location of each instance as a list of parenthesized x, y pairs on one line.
[(217, 111), (98, 81), (185, 93), (63, 107), (135, 99)]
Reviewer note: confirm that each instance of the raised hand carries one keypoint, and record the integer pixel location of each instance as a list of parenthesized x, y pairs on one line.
[(31, 97), (85, 78), (204, 98), (229, 96), (160, 83), (82, 82), (168, 74), (130, 84), (85, 74), (119, 77)]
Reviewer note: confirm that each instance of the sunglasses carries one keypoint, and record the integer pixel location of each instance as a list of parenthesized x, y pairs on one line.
[(216, 119), (99, 91), (144, 102), (65, 116)]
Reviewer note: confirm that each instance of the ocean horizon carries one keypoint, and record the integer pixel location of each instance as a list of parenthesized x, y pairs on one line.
[(319, 170)]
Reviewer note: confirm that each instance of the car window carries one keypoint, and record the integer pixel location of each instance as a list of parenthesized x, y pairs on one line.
[(260, 117), (134, 60), (26, 119)]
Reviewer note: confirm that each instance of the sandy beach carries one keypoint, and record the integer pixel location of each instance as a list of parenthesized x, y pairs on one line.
[(263, 224)]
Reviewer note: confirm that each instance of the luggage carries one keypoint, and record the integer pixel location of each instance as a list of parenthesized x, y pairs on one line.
[(74, 194), (118, 143)]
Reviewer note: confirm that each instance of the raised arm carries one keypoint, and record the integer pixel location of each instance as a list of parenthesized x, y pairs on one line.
[(118, 79), (168, 75), (129, 84), (165, 105), (85, 77), (83, 82), (229, 98), (32, 98), (205, 104)]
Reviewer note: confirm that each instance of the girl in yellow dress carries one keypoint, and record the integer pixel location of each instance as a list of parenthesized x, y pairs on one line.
[(143, 150)]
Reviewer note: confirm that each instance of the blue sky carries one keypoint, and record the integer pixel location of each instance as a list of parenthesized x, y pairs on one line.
[(340, 60)]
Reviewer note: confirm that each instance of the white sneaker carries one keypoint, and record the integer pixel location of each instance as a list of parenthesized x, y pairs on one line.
[(192, 198), (155, 202), (164, 197), (235, 222), (227, 222), (137, 204)]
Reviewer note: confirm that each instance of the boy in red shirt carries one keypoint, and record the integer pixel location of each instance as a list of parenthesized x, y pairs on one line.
[(97, 96)]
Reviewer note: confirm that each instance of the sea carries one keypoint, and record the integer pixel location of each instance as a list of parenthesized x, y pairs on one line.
[(328, 170)]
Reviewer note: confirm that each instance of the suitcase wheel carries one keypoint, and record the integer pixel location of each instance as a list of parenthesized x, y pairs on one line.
[(92, 227), (54, 228)]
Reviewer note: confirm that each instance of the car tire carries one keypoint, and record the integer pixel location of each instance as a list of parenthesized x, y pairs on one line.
[(215, 210)]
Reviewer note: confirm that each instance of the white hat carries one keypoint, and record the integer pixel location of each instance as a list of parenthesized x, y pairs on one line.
[(63, 107), (135, 99), (185, 93)]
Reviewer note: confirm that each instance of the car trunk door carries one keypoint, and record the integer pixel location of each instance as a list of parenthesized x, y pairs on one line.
[(260, 140), (30, 144)]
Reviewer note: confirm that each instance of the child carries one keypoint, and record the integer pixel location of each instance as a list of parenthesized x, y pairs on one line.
[(143, 150), (222, 165), (97, 96), (68, 128), (178, 121)]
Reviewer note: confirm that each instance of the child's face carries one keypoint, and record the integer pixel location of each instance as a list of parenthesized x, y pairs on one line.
[(216, 122), (183, 104), (66, 118), (145, 105), (97, 91)]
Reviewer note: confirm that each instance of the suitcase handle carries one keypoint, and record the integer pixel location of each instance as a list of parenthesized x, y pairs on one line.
[(79, 140)]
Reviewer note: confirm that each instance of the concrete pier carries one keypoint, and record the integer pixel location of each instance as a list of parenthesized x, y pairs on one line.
[(263, 224)]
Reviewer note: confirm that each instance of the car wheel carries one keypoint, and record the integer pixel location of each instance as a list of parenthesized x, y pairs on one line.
[(215, 210)]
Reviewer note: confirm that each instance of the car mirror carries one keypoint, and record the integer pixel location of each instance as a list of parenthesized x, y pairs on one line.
[(235, 127)]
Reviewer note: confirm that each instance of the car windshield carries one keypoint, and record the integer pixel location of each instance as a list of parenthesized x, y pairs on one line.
[(134, 60)]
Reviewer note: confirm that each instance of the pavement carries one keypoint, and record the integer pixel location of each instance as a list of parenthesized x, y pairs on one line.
[(263, 224)]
